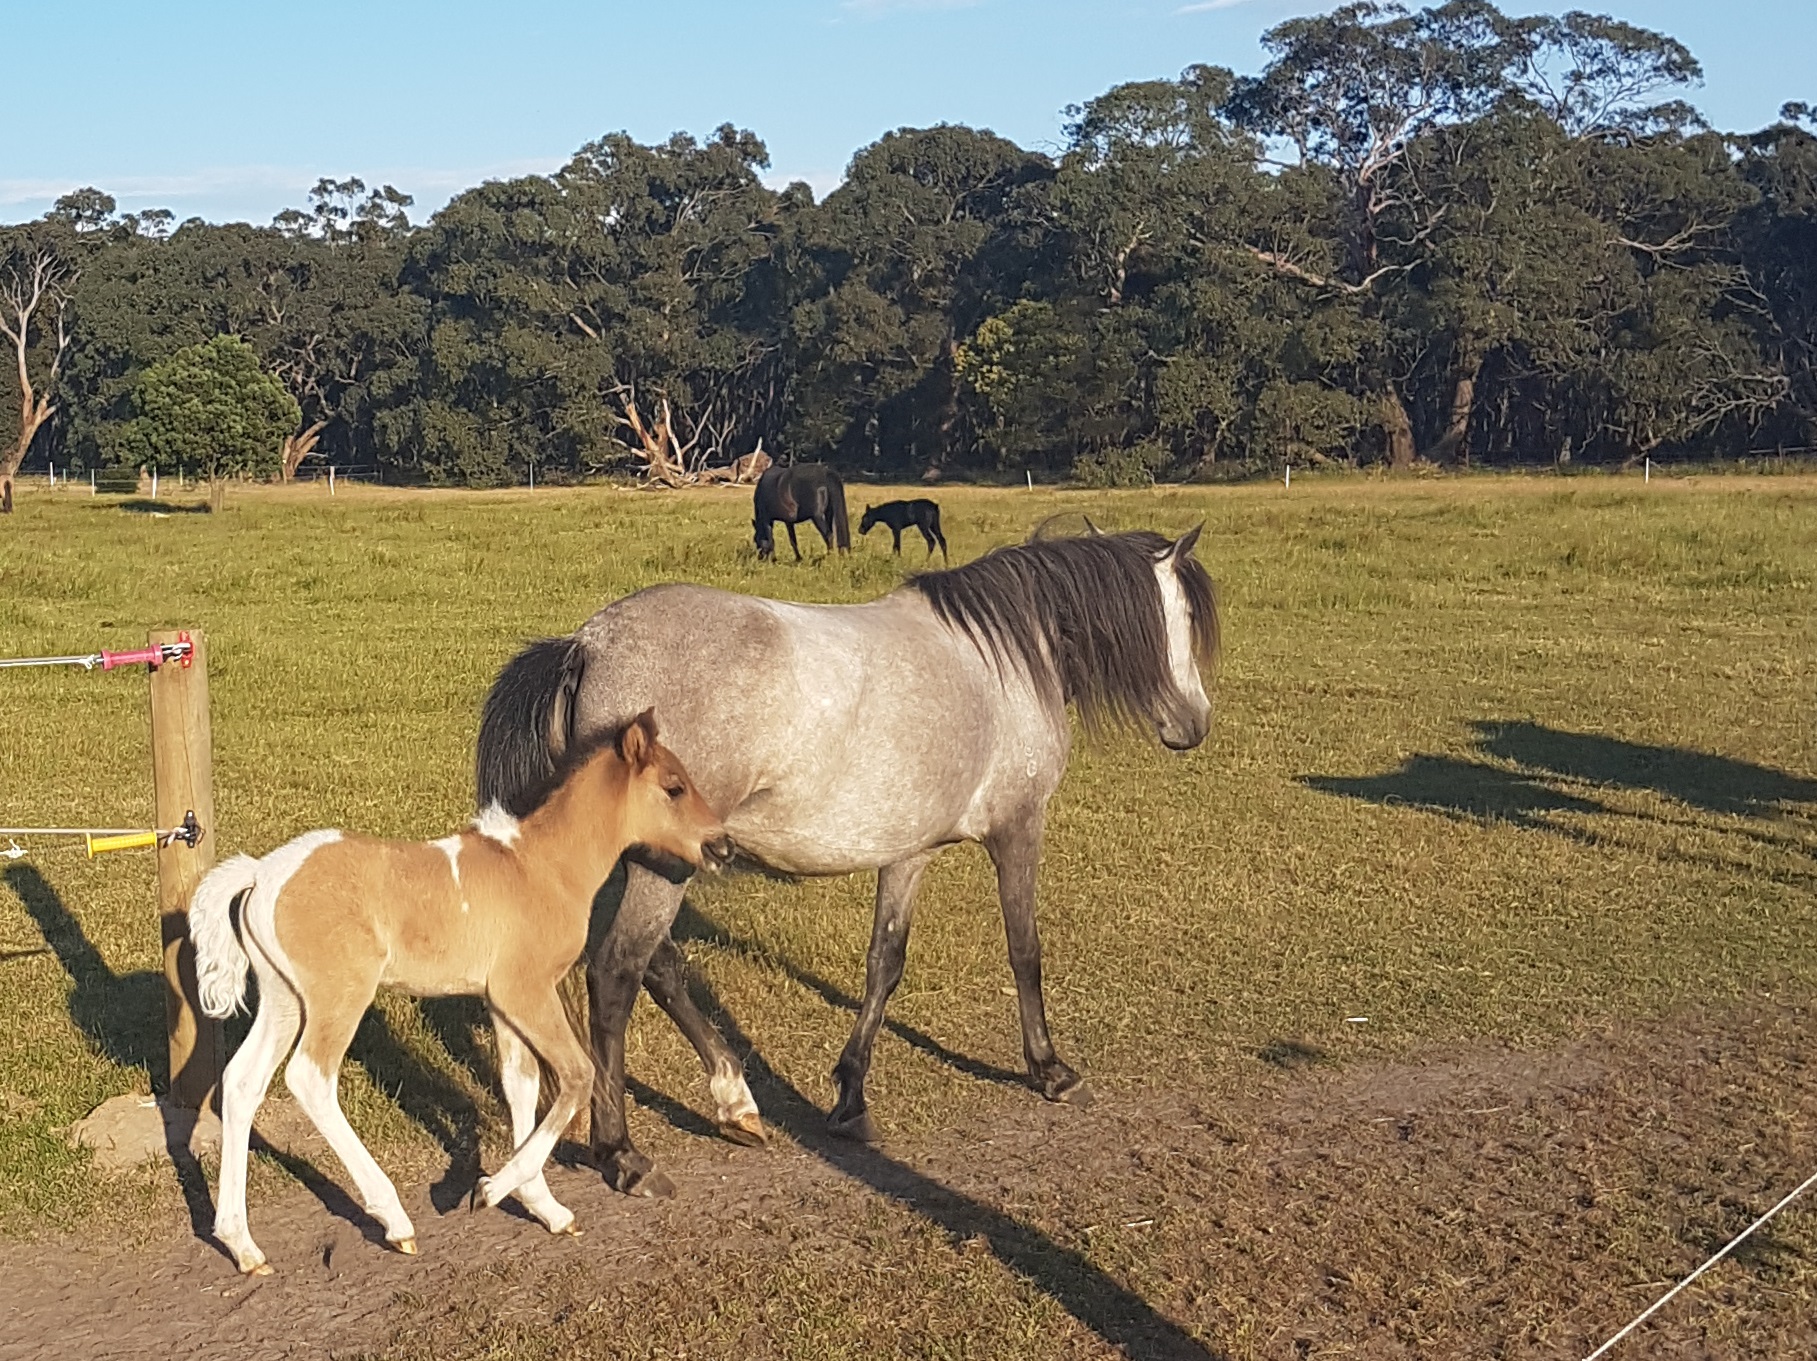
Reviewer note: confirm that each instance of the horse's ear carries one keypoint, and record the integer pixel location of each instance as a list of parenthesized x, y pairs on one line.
[(638, 739), (1090, 528), (1183, 546)]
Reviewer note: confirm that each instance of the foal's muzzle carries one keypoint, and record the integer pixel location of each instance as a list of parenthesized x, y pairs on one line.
[(717, 853)]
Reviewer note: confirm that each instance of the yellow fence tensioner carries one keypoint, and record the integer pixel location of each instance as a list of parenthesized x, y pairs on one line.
[(126, 841)]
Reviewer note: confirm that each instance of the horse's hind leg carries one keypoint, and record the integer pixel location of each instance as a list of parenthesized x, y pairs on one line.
[(314, 1078), (1016, 851), (243, 1088), (927, 537), (536, 1013), (790, 525), (896, 886), (521, 1081), (735, 1111)]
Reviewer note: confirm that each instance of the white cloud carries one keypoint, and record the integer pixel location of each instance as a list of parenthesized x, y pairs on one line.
[(1207, 5)]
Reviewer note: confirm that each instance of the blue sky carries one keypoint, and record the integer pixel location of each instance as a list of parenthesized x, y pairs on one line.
[(232, 110)]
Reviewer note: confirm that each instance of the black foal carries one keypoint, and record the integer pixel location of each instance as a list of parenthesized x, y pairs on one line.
[(899, 515)]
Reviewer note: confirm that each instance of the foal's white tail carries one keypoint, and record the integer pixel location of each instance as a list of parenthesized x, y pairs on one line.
[(221, 962)]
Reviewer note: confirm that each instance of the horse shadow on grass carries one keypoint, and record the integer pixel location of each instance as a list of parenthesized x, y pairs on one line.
[(1117, 1314), (1558, 771)]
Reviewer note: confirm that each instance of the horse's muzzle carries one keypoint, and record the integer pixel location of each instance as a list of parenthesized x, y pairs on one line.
[(717, 853)]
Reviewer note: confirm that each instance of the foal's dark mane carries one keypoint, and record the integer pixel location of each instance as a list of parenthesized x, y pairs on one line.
[(1080, 616)]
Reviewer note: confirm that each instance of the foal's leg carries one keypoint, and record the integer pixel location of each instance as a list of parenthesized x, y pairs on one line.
[(614, 972), (735, 1111), (314, 1079), (518, 1076), (541, 1023), (790, 526), (927, 537), (243, 1088), (896, 886), (1016, 851), (896, 540)]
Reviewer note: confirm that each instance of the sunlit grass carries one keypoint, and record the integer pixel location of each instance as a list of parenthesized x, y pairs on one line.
[(1350, 842)]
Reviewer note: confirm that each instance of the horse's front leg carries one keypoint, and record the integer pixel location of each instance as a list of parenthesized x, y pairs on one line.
[(615, 971), (895, 541), (896, 887), (735, 1111), (1016, 852)]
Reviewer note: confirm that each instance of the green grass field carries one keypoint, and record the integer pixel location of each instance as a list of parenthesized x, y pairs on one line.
[(1495, 757)]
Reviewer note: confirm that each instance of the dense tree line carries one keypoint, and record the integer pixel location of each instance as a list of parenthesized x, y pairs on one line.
[(1444, 234)]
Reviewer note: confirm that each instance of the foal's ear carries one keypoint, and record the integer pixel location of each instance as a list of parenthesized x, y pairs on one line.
[(638, 739), (1091, 529), (1182, 548)]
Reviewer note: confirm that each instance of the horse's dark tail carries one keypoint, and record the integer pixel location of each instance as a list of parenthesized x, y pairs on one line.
[(842, 527), (528, 723)]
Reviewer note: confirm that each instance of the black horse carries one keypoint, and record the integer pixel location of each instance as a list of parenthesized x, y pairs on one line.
[(801, 491), (899, 515)]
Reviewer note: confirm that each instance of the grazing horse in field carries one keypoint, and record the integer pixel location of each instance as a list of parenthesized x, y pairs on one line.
[(899, 515), (498, 911), (954, 688), (801, 491)]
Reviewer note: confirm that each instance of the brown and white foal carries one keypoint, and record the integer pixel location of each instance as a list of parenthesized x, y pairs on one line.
[(498, 911)]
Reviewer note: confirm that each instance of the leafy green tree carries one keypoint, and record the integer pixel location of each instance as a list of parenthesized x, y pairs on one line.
[(210, 410)]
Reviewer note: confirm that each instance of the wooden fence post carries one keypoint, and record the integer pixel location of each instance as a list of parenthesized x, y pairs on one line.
[(182, 765)]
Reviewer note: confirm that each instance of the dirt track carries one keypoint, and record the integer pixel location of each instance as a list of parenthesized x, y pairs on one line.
[(1478, 1201)]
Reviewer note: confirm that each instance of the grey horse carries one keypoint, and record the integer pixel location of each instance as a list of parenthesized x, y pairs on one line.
[(836, 738)]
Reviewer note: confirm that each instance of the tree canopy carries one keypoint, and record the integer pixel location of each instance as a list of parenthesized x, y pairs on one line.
[(1444, 233), (209, 410)]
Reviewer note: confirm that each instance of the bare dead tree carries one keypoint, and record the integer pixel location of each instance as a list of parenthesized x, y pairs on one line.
[(33, 291)]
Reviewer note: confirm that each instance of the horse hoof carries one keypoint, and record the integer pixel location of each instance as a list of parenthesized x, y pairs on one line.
[(652, 1185), (257, 1269), (635, 1175), (1078, 1095), (747, 1130), (858, 1128), (407, 1246)]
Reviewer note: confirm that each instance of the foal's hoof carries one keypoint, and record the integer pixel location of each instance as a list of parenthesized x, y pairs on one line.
[(858, 1128), (407, 1246), (258, 1268), (747, 1130)]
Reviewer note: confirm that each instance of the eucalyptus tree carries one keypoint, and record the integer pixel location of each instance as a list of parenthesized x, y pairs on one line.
[(602, 310), (896, 268)]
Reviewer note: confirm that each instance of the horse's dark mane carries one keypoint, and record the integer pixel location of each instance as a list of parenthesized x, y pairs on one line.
[(1081, 616)]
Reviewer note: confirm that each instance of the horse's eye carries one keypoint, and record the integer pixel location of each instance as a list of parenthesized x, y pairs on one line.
[(677, 790)]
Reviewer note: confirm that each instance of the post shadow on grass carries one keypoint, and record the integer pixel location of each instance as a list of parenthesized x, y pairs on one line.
[(1716, 784), (1117, 1314), (122, 1016)]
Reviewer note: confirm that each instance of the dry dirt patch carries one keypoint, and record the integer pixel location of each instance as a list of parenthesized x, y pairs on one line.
[(1474, 1201)]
